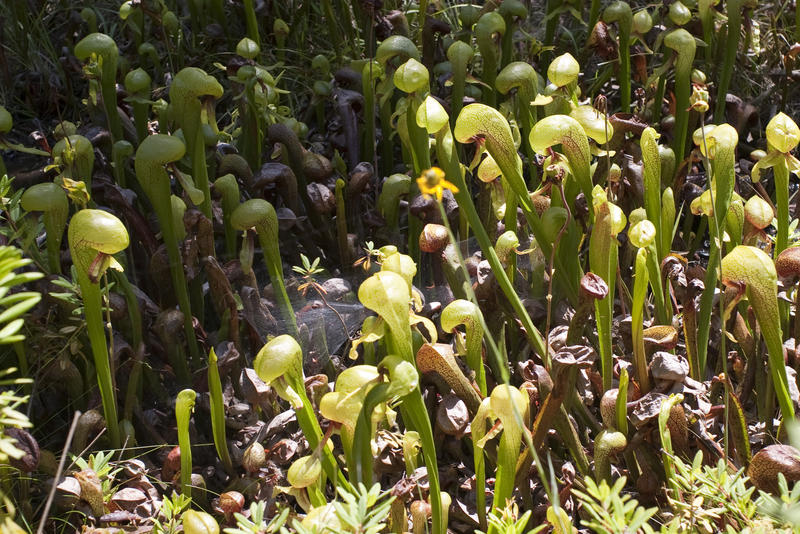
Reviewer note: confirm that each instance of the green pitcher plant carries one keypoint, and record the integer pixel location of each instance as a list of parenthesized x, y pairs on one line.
[(94, 237), (389, 294), (218, 412), (259, 214), (621, 13), (344, 405), (488, 26), (103, 52), (682, 42), (448, 157), (603, 260), (464, 312), (74, 154), (506, 404), (279, 363), (719, 145), (478, 121), (153, 154), (184, 406), (752, 273), (783, 136), (641, 236), (190, 93), (51, 200)]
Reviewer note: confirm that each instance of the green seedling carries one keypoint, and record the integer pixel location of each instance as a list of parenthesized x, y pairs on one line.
[(651, 163), (679, 13), (736, 218), (396, 46), (304, 475), (664, 429), (479, 429), (660, 209), (506, 246), (394, 187), (563, 74), (569, 133), (621, 404), (507, 404), (668, 163), (178, 209), (668, 216), (641, 24), (89, 16), (403, 379), (281, 31)]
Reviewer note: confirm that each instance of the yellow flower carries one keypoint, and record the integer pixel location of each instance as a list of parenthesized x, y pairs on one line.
[(432, 182)]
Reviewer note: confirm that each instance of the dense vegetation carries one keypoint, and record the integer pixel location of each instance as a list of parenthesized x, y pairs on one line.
[(303, 266)]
